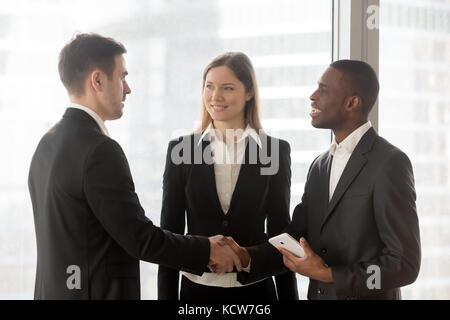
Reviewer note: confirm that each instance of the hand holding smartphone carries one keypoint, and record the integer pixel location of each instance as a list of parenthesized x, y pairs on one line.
[(285, 241)]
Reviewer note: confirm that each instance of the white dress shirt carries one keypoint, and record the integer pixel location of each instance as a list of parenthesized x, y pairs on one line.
[(93, 114), (341, 153), (227, 158)]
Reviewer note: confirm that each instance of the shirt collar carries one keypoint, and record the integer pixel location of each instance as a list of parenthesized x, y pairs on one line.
[(93, 114), (249, 131), (352, 140)]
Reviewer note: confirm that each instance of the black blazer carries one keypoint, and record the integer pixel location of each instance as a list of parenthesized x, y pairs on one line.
[(87, 214), (371, 220), (190, 190)]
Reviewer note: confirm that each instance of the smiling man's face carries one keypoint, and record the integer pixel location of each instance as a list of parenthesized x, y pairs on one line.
[(328, 101)]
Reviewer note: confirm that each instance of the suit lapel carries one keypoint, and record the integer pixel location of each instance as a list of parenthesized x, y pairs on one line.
[(324, 174), (354, 166), (248, 173), (207, 171)]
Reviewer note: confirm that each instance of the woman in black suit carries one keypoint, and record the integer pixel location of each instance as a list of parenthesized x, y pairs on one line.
[(227, 178)]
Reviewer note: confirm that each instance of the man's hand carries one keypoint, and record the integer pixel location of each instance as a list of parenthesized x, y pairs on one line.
[(311, 265), (221, 257), (240, 251)]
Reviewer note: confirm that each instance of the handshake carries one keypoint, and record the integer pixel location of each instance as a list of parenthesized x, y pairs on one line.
[(225, 254)]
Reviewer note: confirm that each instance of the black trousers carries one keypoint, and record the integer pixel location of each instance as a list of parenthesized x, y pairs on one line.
[(261, 291)]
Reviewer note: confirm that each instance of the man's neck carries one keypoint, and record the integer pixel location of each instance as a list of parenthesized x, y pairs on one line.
[(88, 104), (342, 133)]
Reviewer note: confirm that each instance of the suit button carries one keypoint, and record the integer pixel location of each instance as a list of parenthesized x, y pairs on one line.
[(225, 223), (323, 251)]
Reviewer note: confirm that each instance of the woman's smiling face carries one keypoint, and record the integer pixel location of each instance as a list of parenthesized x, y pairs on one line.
[(224, 95)]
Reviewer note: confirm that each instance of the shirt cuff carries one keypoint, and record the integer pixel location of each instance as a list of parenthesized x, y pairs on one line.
[(247, 269)]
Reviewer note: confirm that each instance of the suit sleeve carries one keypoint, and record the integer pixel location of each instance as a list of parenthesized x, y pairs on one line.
[(299, 226), (172, 219), (278, 217), (109, 189), (396, 219)]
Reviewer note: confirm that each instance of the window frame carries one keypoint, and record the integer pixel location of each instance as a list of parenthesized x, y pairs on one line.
[(352, 39)]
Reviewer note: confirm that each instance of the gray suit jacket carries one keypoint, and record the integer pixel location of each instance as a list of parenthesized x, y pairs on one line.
[(370, 221)]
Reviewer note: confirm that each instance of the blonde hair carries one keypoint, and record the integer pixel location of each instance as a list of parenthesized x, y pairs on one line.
[(242, 67)]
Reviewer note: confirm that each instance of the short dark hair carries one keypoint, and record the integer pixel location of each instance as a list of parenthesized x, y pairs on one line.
[(362, 79), (84, 53)]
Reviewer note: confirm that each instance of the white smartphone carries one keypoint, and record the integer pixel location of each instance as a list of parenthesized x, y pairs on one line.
[(285, 241)]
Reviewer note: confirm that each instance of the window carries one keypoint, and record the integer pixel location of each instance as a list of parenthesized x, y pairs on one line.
[(169, 43), (414, 114)]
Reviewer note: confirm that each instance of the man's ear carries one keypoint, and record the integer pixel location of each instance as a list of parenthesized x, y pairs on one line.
[(96, 80), (353, 103)]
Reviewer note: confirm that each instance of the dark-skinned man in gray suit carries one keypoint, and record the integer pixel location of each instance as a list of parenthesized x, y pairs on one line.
[(357, 221)]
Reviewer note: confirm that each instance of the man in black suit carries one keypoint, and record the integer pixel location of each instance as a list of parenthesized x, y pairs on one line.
[(357, 221), (90, 228)]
